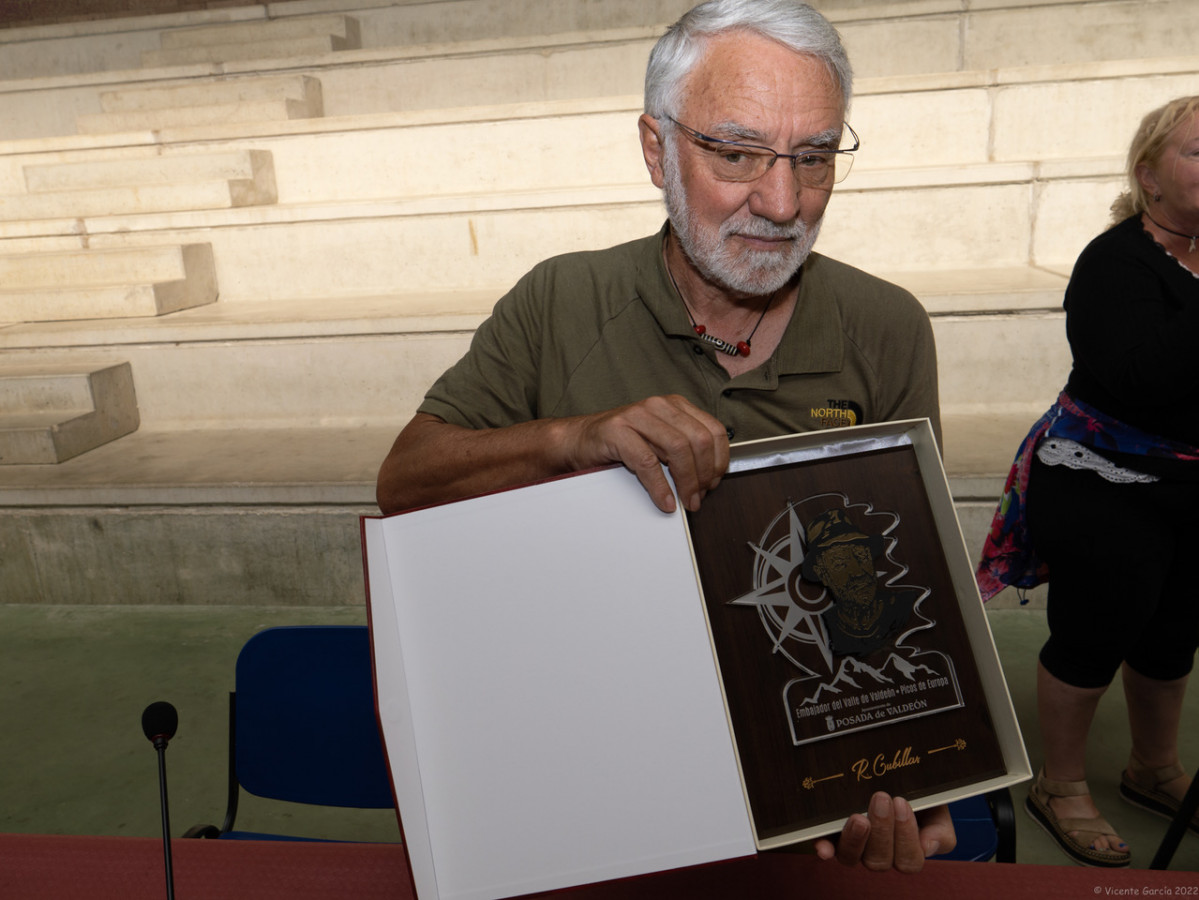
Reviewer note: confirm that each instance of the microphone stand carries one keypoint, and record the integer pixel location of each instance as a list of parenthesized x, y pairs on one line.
[(159, 722), (160, 745)]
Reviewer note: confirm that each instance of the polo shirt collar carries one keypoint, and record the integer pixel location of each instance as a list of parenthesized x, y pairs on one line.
[(657, 291)]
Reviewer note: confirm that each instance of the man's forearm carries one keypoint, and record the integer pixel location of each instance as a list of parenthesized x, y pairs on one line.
[(432, 461)]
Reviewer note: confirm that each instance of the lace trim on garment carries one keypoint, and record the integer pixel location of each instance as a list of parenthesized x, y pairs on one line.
[(1183, 265), (1073, 455), (1163, 249)]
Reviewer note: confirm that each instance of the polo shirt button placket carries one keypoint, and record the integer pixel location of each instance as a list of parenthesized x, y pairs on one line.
[(726, 393)]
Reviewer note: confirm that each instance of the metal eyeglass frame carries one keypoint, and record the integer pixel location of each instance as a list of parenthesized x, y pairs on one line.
[(794, 158)]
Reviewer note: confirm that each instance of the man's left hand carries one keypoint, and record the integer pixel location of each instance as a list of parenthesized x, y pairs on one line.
[(891, 835)]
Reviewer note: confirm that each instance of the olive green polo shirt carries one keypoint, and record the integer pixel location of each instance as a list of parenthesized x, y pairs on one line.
[(591, 331)]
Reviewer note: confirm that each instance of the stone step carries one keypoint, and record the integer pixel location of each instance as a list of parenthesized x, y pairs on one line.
[(1001, 364), (880, 36), (252, 169), (993, 217), (337, 464), (996, 116), (194, 517), (31, 391), (1092, 110), (119, 283), (107, 302), (250, 113), (212, 194), (218, 53), (98, 267), (52, 412), (328, 165), (890, 112), (215, 92), (254, 31), (366, 361), (303, 364), (995, 291), (324, 165), (202, 516), (468, 241), (139, 185), (345, 250)]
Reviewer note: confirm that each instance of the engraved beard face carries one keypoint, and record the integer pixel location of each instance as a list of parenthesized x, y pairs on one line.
[(847, 570)]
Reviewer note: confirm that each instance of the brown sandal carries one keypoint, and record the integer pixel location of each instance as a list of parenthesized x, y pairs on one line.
[(1133, 789), (1076, 846)]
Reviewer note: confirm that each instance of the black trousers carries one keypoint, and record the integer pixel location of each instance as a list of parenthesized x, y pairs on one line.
[(1123, 574)]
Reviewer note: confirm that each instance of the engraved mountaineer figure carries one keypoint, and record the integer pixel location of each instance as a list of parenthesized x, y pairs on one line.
[(861, 619)]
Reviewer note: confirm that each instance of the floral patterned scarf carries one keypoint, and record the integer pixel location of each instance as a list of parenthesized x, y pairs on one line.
[(1008, 557)]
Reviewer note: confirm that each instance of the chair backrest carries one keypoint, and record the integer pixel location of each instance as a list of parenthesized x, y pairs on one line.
[(305, 718)]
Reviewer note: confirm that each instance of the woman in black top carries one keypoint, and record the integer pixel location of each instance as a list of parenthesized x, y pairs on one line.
[(1113, 494)]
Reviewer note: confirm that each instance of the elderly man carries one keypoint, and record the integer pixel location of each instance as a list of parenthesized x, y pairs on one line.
[(723, 326)]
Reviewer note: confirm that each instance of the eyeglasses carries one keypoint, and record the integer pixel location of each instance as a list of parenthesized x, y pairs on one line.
[(734, 161)]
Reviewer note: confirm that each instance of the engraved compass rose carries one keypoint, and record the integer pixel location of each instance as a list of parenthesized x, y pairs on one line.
[(788, 607)]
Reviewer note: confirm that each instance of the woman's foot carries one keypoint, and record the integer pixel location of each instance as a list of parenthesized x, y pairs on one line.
[(1068, 814), (1158, 790), (1083, 807)]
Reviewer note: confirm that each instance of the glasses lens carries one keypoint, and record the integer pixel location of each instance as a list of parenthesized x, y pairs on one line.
[(814, 170), (738, 163), (843, 163), (822, 169)]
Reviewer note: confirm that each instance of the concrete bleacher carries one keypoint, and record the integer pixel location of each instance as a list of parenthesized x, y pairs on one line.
[(315, 232)]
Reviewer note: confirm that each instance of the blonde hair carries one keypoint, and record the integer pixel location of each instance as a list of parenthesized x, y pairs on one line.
[(1146, 149)]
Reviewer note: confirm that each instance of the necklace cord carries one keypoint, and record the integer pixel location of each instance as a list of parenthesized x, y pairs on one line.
[(1191, 237), (741, 348)]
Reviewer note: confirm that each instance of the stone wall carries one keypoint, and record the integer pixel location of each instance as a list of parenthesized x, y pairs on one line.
[(16, 13)]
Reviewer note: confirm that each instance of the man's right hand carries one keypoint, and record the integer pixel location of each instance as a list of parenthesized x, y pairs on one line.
[(658, 431), (433, 461)]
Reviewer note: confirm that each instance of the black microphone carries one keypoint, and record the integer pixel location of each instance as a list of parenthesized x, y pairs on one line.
[(159, 721)]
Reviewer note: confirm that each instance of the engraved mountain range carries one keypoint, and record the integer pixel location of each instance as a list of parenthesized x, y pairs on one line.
[(894, 671)]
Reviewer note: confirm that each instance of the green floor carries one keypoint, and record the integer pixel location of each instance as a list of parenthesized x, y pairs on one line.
[(73, 758)]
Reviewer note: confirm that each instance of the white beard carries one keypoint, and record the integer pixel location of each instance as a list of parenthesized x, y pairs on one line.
[(751, 272)]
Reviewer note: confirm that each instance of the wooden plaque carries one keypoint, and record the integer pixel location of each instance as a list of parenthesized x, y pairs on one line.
[(845, 657)]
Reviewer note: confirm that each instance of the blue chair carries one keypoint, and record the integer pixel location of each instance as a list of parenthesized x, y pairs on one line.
[(986, 828), (302, 725)]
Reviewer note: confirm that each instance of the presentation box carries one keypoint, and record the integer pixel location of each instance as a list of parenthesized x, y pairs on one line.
[(576, 687)]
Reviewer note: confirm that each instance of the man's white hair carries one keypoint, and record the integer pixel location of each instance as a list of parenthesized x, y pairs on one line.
[(792, 24)]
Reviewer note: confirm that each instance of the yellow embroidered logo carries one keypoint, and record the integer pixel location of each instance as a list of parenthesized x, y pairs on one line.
[(836, 414)]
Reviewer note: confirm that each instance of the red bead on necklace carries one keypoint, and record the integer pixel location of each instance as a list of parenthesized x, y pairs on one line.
[(741, 348)]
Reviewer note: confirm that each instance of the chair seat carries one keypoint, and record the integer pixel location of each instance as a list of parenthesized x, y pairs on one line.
[(978, 838)]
